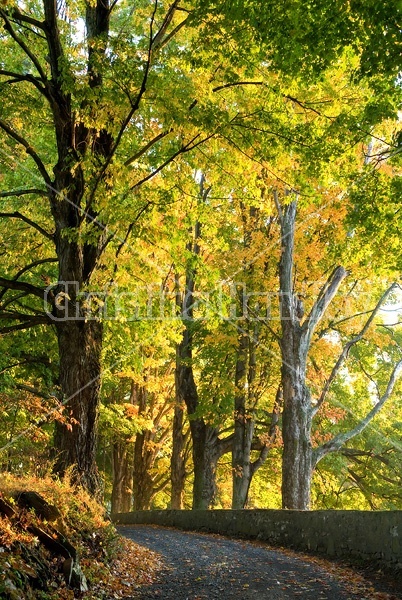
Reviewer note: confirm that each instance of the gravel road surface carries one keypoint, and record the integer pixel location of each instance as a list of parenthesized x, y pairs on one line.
[(207, 567)]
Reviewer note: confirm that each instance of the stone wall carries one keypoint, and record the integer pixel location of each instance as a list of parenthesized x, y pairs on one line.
[(361, 536)]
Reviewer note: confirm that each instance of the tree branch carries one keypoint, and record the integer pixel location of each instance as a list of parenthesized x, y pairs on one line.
[(134, 108), (35, 391), (272, 434), (32, 321), (17, 215), (171, 35), (339, 440), (18, 16), (287, 217), (18, 77), (8, 27), (185, 148), (41, 261), (29, 150), (346, 349), (157, 40), (325, 297), (147, 146), (23, 287), (225, 86), (38, 192)]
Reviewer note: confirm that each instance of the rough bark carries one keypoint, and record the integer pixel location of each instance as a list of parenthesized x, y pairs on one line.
[(245, 400), (122, 470), (206, 445), (79, 337), (186, 391), (80, 345), (178, 459), (147, 483), (243, 429), (297, 461)]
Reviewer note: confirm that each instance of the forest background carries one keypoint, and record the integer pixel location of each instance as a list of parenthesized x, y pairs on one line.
[(200, 242)]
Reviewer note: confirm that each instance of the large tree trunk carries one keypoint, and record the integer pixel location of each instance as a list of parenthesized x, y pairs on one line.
[(296, 419), (80, 345), (79, 333), (296, 432), (297, 462)]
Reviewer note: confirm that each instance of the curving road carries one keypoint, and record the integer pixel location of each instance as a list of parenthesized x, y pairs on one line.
[(209, 567)]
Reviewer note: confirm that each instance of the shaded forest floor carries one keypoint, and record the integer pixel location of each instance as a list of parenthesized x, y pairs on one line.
[(202, 566)]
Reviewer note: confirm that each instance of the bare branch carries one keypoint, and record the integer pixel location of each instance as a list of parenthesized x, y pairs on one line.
[(157, 40), (17, 215), (53, 41), (287, 222), (18, 316), (185, 148), (36, 392), (345, 352), (339, 440), (333, 325), (325, 297), (225, 86), (19, 16), (130, 227), (29, 150), (113, 5), (272, 434)]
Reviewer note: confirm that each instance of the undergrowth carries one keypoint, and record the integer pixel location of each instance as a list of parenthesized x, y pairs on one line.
[(28, 571)]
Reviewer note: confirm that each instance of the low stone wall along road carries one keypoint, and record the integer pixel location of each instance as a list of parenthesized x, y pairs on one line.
[(207, 567)]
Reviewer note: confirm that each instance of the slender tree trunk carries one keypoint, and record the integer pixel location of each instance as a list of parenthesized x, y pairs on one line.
[(243, 429), (214, 449), (143, 484), (178, 460), (122, 491), (146, 482), (245, 374)]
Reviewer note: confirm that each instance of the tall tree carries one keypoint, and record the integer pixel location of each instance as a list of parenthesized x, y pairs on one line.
[(87, 69), (299, 457)]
